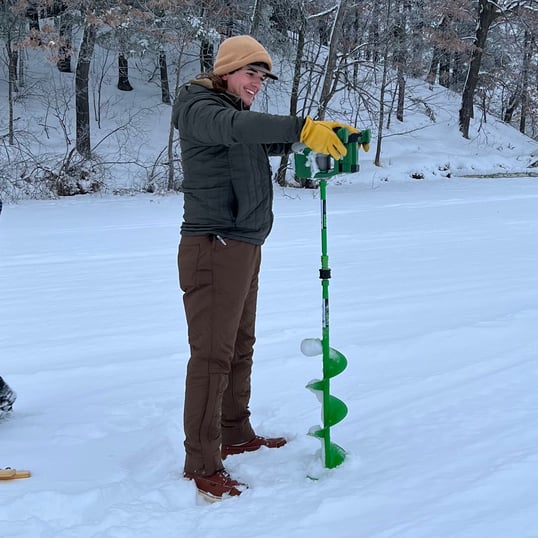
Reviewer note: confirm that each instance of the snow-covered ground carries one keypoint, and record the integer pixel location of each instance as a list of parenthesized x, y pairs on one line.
[(434, 301)]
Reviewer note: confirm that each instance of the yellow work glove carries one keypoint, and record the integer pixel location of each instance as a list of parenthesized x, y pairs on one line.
[(320, 137)]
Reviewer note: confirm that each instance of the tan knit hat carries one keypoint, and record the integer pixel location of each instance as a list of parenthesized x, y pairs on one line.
[(240, 51)]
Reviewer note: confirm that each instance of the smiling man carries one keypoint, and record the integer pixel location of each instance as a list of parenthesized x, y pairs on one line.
[(246, 82), (228, 194)]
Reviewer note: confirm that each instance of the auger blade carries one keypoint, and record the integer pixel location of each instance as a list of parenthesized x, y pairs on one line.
[(317, 385), (334, 456), (336, 364), (317, 431), (335, 411)]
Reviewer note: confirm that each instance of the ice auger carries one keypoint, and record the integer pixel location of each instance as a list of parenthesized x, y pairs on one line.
[(312, 165)]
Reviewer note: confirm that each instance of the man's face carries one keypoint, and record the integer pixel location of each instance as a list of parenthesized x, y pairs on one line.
[(245, 83)]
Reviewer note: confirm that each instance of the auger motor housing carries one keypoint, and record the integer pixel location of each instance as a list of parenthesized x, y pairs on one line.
[(310, 165)]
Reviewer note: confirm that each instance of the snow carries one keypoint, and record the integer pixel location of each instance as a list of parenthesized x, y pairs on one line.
[(433, 300)]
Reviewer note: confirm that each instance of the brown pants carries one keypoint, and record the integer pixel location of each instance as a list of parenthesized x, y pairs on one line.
[(220, 285)]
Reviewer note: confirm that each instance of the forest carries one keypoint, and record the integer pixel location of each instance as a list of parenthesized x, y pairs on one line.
[(341, 59)]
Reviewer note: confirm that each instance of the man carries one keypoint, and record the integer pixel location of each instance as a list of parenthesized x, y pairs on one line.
[(228, 215)]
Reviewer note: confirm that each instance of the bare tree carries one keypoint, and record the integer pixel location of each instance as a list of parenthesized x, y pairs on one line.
[(522, 71), (331, 75), (527, 54), (401, 45), (383, 90), (12, 30), (82, 103), (296, 80), (488, 11)]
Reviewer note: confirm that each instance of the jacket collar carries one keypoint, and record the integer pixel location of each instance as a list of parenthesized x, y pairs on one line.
[(208, 85)]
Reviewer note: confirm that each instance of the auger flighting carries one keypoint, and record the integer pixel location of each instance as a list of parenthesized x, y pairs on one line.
[(314, 166)]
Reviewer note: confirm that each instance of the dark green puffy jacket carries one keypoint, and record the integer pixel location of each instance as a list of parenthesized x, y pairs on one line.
[(227, 182)]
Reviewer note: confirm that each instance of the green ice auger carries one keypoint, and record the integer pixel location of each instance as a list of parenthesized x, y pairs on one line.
[(321, 167), (333, 409)]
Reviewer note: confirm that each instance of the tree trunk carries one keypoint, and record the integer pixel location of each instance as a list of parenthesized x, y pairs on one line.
[(431, 77), (523, 117), (444, 69), (172, 184), (206, 49), (294, 99), (401, 45), (513, 103), (457, 80), (123, 73), (163, 69), (256, 18), (373, 51), (82, 104), (401, 94), (12, 81), (331, 72), (206, 55), (527, 54), (487, 14), (382, 92), (21, 70), (13, 60), (437, 56), (416, 17), (64, 60), (32, 14)]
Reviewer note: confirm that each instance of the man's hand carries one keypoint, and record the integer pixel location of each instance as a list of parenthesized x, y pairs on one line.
[(320, 137)]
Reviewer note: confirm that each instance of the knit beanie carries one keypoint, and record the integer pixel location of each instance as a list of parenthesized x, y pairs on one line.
[(240, 51)]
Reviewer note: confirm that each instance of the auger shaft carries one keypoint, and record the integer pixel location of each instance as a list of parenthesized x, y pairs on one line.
[(325, 275)]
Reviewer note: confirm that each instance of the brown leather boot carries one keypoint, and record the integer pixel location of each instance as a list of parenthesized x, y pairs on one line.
[(252, 445), (216, 486)]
